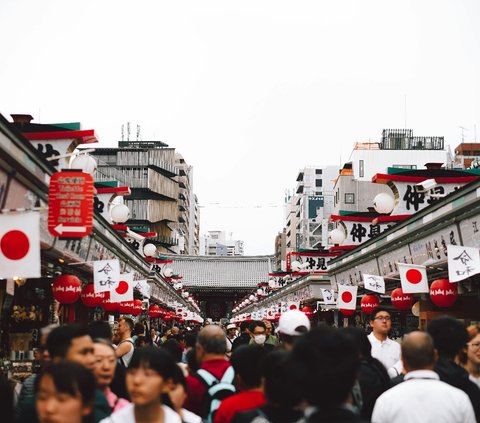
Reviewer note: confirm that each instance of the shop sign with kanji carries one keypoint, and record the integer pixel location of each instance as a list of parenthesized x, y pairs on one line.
[(70, 204)]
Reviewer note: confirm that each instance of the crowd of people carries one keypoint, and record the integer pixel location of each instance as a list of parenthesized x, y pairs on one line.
[(254, 373)]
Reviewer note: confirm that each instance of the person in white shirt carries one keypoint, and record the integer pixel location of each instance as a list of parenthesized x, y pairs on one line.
[(422, 397), (384, 349), (149, 376)]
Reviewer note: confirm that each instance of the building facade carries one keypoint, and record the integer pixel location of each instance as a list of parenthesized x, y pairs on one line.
[(220, 243)]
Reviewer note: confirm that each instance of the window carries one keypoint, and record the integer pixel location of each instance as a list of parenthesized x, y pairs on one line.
[(318, 182), (318, 171), (349, 198), (361, 171), (405, 166)]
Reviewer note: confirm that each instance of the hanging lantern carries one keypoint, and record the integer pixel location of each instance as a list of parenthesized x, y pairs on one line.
[(168, 272), (84, 162), (346, 312), (90, 298), (337, 236), (66, 289), (369, 303), (137, 307), (443, 293), (108, 305), (383, 203), (120, 213), (126, 307), (308, 311), (154, 311), (400, 300), (149, 250)]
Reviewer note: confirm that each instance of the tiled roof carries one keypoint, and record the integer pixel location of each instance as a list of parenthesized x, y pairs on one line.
[(215, 272)]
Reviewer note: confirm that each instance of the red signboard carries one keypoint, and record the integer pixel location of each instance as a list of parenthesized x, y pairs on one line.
[(70, 204)]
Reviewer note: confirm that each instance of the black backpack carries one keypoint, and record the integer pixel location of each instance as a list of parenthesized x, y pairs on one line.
[(217, 391)]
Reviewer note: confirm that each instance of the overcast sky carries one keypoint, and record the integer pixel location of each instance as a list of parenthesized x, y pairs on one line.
[(249, 92)]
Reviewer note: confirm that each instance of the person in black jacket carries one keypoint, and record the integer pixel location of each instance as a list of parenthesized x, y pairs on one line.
[(450, 336), (244, 337), (372, 377)]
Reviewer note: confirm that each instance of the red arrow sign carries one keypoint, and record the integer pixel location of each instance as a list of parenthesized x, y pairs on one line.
[(70, 204)]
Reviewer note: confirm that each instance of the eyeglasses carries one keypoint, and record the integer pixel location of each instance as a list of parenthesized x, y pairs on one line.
[(474, 346), (384, 318)]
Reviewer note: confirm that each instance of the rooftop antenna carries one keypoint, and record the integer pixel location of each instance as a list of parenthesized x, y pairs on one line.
[(128, 131), (123, 132), (463, 132), (138, 132)]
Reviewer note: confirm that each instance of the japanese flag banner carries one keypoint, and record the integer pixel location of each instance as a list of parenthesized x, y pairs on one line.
[(106, 274), (293, 305), (328, 296), (413, 278), (20, 245), (463, 262), (124, 290), (374, 283), (347, 297)]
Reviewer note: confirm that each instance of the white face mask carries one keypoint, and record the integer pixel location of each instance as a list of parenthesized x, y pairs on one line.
[(259, 339)]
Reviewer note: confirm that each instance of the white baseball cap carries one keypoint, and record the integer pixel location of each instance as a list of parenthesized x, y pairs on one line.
[(231, 326), (293, 323)]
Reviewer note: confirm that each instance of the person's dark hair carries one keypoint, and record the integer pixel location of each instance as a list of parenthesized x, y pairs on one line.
[(247, 363), (360, 340), (179, 377), (153, 358), (330, 356), (105, 342), (418, 353), (73, 379), (257, 323), (244, 326), (6, 399), (139, 340), (379, 310), (100, 329), (215, 343), (449, 336), (280, 377), (191, 339), (192, 361), (137, 328), (60, 339), (174, 348)]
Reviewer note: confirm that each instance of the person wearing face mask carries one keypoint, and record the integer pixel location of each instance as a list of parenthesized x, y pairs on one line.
[(259, 335)]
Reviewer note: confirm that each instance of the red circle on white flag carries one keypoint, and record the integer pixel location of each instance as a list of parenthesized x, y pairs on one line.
[(122, 287), (414, 276), (293, 307), (347, 297), (15, 245)]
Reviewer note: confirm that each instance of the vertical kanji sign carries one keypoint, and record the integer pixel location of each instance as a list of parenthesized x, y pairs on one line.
[(70, 204)]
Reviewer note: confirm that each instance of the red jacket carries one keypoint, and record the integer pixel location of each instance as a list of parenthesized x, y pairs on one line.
[(196, 389)]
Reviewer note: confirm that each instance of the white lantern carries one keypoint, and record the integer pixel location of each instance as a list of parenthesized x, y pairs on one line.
[(179, 285), (337, 236), (383, 203), (252, 297), (272, 283), (167, 272), (259, 291), (149, 250), (84, 162), (120, 213)]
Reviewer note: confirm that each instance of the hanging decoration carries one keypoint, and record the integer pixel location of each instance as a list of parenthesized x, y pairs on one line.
[(108, 305), (443, 293), (308, 311), (90, 298), (66, 289), (400, 300), (369, 303), (154, 311), (137, 307), (347, 312)]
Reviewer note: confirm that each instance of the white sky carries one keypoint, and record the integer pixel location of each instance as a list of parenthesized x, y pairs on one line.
[(248, 91)]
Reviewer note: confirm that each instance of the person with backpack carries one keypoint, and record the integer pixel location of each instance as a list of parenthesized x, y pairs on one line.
[(125, 346), (213, 381)]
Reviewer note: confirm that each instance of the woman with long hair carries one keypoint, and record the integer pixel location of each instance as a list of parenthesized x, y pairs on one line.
[(65, 393), (149, 376), (470, 357)]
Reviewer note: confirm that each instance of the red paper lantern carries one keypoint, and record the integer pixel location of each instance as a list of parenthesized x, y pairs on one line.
[(346, 312), (400, 300), (443, 293), (90, 298), (126, 307), (308, 311), (137, 307), (154, 311), (369, 303), (108, 305), (276, 317), (66, 289)]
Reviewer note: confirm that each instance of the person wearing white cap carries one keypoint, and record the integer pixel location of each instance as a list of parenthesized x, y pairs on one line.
[(291, 325), (231, 335)]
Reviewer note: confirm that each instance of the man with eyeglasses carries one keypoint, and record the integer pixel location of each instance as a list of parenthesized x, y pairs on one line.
[(384, 349)]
